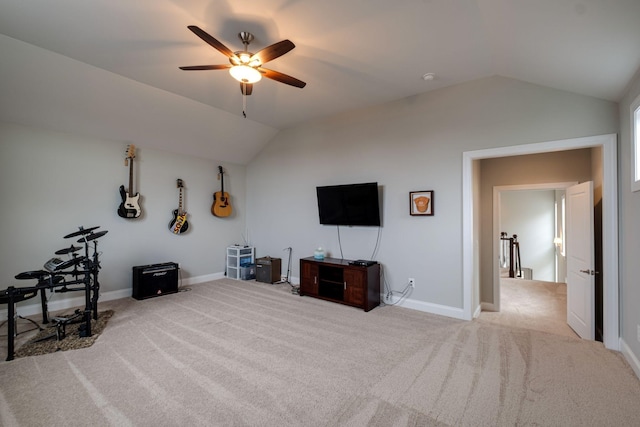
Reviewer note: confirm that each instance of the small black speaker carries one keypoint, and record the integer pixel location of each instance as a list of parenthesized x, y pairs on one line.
[(268, 270), (155, 280)]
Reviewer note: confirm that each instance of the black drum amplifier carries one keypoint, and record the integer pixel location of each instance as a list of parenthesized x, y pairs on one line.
[(155, 280)]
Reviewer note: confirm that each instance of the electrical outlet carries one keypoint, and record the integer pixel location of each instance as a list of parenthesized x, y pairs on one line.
[(412, 282), (638, 333)]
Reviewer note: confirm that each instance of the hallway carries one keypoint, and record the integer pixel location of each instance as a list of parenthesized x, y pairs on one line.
[(532, 304)]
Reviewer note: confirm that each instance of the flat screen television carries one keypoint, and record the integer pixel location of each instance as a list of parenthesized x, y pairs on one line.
[(351, 204)]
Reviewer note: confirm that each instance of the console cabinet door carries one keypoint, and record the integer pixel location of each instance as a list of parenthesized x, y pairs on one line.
[(309, 278), (354, 281)]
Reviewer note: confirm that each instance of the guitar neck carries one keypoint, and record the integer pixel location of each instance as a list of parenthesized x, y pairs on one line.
[(180, 211), (131, 192), (221, 174)]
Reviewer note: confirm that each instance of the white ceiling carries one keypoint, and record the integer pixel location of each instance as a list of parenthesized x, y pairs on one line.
[(352, 54)]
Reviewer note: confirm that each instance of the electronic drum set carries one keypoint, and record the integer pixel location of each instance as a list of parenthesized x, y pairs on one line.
[(78, 273)]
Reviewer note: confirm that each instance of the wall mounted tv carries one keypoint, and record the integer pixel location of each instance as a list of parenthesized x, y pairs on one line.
[(351, 204)]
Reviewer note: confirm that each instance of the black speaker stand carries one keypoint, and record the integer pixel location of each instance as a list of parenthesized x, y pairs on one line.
[(287, 279)]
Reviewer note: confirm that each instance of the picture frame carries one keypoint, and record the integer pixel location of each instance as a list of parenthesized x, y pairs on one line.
[(421, 203)]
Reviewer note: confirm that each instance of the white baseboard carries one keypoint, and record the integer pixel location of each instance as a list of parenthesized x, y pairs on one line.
[(33, 307), (477, 311), (201, 279), (64, 304), (427, 307), (487, 306), (631, 358)]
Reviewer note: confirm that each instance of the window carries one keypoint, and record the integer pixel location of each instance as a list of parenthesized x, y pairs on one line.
[(564, 213), (635, 138), (559, 241)]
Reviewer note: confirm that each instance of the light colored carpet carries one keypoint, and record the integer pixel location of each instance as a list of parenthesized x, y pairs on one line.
[(532, 304), (252, 354)]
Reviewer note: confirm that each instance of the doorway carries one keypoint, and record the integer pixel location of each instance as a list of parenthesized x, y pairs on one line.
[(536, 299), (471, 228), (498, 193)]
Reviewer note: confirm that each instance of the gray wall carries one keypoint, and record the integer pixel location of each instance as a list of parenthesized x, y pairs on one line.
[(52, 182), (413, 144), (629, 230), (531, 215)]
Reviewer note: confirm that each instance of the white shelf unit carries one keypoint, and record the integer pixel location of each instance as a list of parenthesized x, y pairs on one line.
[(237, 257)]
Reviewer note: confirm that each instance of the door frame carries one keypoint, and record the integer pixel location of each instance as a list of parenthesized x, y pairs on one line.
[(470, 270), (497, 192)]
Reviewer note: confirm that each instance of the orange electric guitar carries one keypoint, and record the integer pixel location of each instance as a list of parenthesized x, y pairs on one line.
[(221, 206)]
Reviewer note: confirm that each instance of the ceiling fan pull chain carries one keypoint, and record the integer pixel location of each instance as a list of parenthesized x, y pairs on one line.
[(244, 104)]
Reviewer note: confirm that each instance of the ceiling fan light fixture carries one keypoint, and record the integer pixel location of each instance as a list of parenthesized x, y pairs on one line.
[(245, 74), (245, 57)]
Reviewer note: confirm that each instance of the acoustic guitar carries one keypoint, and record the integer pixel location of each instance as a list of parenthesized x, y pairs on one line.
[(130, 206), (179, 223), (221, 206)]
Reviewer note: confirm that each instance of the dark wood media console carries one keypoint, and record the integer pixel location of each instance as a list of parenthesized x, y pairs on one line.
[(336, 280)]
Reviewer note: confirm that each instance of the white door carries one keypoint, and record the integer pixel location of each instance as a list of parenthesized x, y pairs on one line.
[(580, 260)]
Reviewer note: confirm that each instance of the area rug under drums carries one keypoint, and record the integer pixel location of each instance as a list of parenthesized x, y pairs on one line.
[(46, 341), (246, 353)]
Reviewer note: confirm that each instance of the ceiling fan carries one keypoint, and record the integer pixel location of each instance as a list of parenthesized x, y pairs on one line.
[(244, 66)]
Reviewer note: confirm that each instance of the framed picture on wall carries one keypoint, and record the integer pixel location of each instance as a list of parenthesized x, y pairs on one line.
[(421, 203)]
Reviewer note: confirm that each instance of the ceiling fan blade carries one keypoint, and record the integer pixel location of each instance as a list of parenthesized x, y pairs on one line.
[(207, 67), (246, 88), (211, 41), (282, 78), (270, 53)]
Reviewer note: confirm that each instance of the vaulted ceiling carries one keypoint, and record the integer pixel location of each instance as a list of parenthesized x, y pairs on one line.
[(109, 68)]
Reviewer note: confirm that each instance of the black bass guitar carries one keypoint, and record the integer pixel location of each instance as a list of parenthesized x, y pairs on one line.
[(130, 206)]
